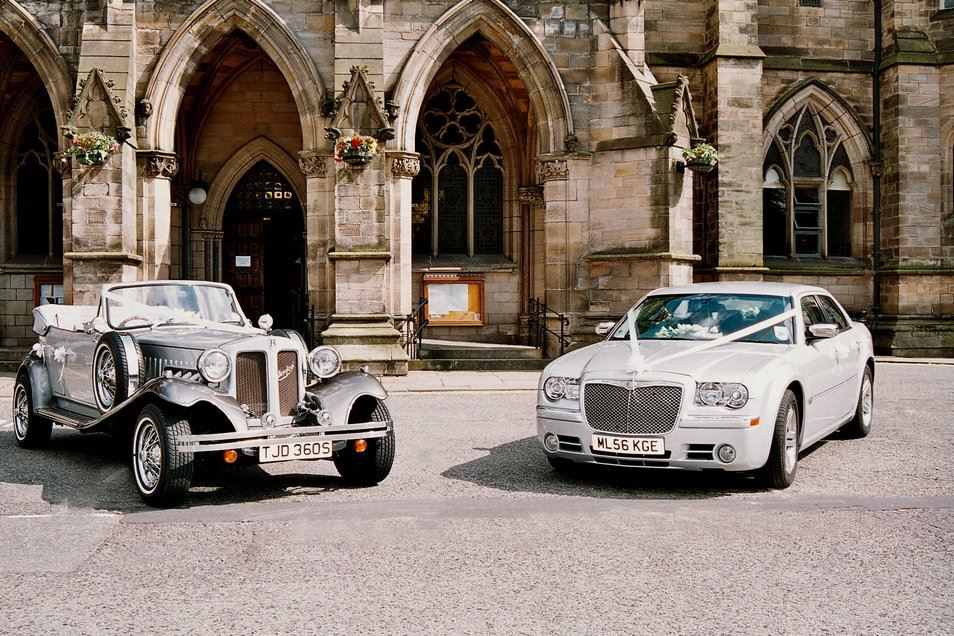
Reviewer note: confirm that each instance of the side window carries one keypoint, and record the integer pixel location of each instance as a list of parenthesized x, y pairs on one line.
[(811, 312), (832, 312)]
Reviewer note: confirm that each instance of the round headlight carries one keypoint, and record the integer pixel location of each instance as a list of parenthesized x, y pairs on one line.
[(735, 395), (324, 362), (710, 393), (554, 388), (214, 365)]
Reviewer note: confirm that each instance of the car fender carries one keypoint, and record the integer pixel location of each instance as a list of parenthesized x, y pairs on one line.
[(338, 394), (35, 370), (178, 393)]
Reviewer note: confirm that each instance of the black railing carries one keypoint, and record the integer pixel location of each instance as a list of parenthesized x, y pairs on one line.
[(540, 329), (313, 327), (414, 330)]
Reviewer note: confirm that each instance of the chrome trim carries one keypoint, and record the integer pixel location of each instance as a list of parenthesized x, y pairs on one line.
[(277, 436)]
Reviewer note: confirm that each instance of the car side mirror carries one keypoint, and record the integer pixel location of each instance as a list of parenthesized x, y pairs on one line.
[(822, 330), (96, 325), (604, 328)]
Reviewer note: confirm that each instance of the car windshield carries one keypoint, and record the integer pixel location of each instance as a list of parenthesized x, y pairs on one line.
[(152, 305), (707, 317)]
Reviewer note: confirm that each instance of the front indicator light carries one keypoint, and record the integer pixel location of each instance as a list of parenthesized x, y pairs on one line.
[(229, 456), (754, 422), (360, 445)]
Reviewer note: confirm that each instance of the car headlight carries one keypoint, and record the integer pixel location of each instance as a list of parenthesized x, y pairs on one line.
[(324, 362), (214, 365), (730, 394), (557, 388)]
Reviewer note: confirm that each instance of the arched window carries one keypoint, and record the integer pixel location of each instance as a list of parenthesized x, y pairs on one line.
[(806, 195), (39, 190), (458, 194)]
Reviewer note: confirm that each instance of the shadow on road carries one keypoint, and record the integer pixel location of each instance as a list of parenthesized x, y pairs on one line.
[(520, 466), (93, 471)]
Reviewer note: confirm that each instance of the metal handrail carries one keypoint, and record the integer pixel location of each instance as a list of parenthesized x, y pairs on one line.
[(414, 330), (539, 312)]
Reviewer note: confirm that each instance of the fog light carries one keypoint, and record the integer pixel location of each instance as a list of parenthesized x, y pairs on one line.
[(727, 453), (551, 443), (324, 418), (230, 456), (360, 445)]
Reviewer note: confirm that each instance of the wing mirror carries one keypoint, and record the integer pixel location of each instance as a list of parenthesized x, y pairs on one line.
[(822, 330), (96, 325), (604, 328)]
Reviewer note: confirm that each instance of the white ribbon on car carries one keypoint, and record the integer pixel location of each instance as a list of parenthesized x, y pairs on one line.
[(637, 364), (172, 313)]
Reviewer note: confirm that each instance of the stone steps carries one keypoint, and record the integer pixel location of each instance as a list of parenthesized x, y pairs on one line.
[(472, 364)]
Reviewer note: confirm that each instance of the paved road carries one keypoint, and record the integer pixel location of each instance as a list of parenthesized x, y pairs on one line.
[(472, 533)]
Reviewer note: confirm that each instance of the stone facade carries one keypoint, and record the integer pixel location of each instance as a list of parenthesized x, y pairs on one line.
[(590, 103)]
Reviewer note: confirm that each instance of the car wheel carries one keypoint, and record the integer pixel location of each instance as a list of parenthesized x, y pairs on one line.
[(118, 371), (30, 429), (562, 465), (374, 464), (163, 473), (860, 424), (779, 470)]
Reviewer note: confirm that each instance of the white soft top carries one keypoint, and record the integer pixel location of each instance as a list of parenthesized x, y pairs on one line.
[(67, 317)]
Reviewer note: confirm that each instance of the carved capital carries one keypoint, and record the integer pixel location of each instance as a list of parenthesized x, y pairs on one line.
[(158, 164), (405, 165), (532, 195), (549, 168), (313, 164), (62, 164)]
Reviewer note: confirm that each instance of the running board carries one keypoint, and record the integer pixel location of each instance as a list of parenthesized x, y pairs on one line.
[(67, 418)]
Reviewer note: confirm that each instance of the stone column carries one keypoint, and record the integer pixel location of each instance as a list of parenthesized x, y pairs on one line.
[(404, 166), (732, 75), (318, 168), (531, 206), (156, 205)]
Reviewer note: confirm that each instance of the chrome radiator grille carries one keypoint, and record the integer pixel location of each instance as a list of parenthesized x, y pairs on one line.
[(287, 382), (646, 410), (251, 381)]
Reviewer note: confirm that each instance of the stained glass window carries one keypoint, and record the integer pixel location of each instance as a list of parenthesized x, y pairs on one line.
[(462, 163)]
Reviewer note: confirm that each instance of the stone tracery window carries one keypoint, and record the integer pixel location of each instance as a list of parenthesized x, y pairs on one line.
[(39, 217), (806, 192), (458, 194)]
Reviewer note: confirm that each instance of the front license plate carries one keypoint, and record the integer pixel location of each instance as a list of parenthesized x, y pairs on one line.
[(294, 450), (629, 445)]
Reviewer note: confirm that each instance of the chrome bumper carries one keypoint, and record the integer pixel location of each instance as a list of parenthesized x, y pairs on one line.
[(258, 437)]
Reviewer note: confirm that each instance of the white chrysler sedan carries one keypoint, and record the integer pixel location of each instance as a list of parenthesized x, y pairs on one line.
[(737, 376)]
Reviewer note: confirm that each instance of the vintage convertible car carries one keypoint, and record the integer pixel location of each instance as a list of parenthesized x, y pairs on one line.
[(177, 367), (731, 376)]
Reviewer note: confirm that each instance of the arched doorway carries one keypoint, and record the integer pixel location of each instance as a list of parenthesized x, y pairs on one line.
[(264, 246)]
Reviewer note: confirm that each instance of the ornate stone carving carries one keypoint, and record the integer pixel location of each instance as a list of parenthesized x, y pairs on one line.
[(532, 195), (312, 164), (158, 164), (405, 165), (548, 169), (62, 164), (358, 110)]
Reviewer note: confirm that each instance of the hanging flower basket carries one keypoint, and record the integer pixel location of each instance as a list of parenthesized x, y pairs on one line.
[(701, 157), (91, 148), (356, 150)]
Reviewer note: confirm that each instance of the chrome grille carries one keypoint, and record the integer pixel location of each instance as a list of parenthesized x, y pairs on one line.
[(287, 382), (251, 381), (646, 410)]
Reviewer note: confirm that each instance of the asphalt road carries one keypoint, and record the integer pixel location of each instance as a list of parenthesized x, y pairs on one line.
[(473, 533)]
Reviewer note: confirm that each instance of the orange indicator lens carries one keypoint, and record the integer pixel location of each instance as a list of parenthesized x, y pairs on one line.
[(360, 445), (754, 421), (230, 456)]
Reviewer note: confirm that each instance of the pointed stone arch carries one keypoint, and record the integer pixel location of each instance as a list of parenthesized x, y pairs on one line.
[(25, 31), (236, 166), (502, 27), (199, 33), (831, 106)]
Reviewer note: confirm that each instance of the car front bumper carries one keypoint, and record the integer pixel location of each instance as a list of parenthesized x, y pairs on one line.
[(258, 437), (692, 444)]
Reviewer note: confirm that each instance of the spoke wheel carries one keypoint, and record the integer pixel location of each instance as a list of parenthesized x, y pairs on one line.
[(782, 463), (163, 473), (860, 424), (29, 429), (867, 400), (791, 439), (105, 377)]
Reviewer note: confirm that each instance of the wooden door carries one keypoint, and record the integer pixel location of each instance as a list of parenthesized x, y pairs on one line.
[(244, 267)]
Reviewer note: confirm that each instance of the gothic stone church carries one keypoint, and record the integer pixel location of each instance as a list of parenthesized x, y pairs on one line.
[(527, 153)]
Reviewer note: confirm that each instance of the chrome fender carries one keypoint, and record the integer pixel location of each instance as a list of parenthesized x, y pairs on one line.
[(339, 393)]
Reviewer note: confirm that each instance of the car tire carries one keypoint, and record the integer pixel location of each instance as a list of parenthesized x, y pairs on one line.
[(779, 471), (374, 464), (116, 373), (162, 472), (562, 465), (29, 429), (860, 425)]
